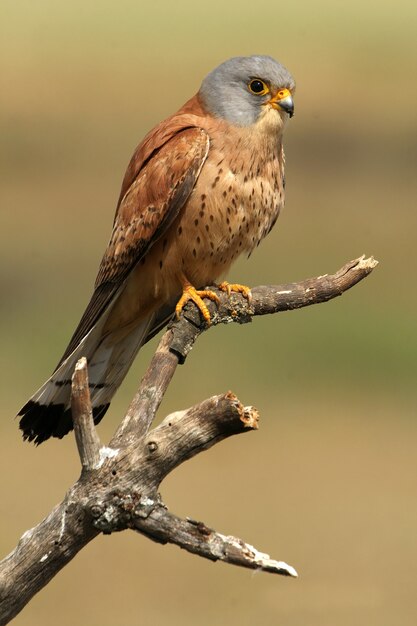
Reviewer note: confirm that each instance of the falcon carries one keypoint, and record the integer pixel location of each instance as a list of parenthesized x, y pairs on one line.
[(204, 186)]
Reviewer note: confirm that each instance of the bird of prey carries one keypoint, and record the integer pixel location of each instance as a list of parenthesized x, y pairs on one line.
[(204, 186)]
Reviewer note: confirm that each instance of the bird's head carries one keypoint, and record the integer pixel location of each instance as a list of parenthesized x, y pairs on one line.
[(245, 90)]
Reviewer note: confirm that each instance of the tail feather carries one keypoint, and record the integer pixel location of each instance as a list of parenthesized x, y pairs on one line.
[(40, 422), (48, 412)]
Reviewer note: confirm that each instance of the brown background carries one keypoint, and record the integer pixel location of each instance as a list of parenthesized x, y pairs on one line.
[(329, 482)]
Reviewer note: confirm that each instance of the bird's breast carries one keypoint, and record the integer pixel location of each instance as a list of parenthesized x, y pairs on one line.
[(235, 203)]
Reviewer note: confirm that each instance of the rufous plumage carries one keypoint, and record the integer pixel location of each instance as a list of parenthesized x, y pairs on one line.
[(204, 186)]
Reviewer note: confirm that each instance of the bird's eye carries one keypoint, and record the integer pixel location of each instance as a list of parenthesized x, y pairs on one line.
[(258, 87)]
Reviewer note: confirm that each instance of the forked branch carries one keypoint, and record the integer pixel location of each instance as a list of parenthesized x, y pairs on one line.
[(118, 486)]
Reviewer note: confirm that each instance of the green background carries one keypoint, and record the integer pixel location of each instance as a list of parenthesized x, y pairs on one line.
[(329, 481)]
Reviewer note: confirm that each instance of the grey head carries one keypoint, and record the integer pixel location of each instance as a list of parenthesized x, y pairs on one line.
[(231, 91)]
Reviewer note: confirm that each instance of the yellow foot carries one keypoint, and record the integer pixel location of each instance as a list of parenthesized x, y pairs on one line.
[(229, 287), (196, 296)]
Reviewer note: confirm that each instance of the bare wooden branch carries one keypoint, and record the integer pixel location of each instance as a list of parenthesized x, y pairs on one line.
[(88, 442), (268, 299), (118, 488), (152, 388), (41, 553), (164, 527), (117, 494)]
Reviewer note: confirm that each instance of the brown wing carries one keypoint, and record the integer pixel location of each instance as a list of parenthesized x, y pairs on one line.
[(164, 173)]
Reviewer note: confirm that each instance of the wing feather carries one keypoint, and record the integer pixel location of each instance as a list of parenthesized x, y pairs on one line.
[(158, 182)]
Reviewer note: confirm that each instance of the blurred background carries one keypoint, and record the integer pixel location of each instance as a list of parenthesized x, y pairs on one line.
[(329, 481)]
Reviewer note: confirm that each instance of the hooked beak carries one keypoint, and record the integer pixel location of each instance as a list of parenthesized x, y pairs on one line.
[(283, 101)]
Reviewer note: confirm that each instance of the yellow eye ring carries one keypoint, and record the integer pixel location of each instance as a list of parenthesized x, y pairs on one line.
[(258, 87)]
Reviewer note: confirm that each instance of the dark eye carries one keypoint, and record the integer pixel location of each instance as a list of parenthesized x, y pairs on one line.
[(258, 87)]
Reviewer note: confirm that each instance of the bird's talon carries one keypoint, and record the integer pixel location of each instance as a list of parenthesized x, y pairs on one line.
[(236, 287), (196, 296)]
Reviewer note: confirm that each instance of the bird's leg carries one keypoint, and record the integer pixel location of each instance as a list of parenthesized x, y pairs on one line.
[(229, 287), (195, 295)]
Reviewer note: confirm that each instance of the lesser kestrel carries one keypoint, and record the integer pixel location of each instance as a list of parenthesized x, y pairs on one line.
[(203, 187)]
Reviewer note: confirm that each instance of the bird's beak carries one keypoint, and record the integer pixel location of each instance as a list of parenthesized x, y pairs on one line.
[(283, 101)]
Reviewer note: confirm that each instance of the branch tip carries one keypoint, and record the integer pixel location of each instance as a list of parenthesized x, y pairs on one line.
[(266, 564), (367, 263), (80, 365), (250, 417)]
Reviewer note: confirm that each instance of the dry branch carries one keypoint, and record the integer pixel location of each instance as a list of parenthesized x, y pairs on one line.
[(86, 436), (270, 299), (118, 486)]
